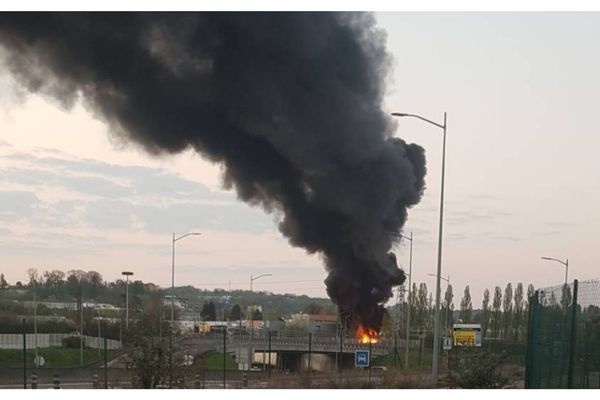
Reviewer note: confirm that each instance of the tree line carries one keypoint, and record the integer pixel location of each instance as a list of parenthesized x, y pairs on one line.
[(502, 314)]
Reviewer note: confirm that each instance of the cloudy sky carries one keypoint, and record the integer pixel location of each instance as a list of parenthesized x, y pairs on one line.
[(520, 90)]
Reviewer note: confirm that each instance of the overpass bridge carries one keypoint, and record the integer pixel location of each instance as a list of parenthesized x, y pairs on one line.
[(290, 343)]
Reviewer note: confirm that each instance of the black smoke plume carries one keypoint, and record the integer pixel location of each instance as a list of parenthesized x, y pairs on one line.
[(290, 104)]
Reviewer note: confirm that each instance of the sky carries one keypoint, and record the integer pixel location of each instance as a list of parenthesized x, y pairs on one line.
[(520, 92)]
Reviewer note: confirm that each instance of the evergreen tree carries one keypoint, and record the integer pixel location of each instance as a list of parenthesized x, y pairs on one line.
[(518, 310), (496, 313), (422, 307), (3, 283), (236, 313), (257, 315), (412, 301), (211, 311), (448, 297), (466, 306), (507, 310), (485, 312), (208, 312)]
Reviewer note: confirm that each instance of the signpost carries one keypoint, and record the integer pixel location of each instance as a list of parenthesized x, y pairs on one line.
[(362, 358), (447, 343)]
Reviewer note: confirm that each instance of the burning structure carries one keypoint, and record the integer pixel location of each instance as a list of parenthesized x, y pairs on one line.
[(289, 104)]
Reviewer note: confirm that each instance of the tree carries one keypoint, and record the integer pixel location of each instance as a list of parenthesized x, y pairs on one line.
[(257, 315), (33, 276), (313, 308), (485, 312), (518, 310), (422, 307), (3, 283), (507, 310), (466, 306), (209, 312), (53, 278), (412, 301), (448, 296), (496, 313), (236, 313)]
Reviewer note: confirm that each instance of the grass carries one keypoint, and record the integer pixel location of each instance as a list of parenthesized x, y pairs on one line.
[(213, 360), (413, 360), (55, 357)]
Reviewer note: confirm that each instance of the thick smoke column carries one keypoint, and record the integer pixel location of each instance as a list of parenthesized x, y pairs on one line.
[(288, 103)]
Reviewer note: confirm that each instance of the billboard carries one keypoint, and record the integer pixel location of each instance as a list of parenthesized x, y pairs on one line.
[(466, 335)]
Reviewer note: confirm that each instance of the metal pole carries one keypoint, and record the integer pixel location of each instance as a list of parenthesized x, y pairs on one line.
[(98, 333), (172, 315), (251, 309), (309, 354), (270, 368), (105, 362), (80, 323), (409, 301), (24, 356), (341, 350), (224, 359), (35, 320), (436, 333), (127, 303), (567, 272), (370, 347), (447, 307), (572, 348)]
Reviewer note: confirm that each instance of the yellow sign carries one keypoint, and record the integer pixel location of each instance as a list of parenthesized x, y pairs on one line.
[(468, 335), (464, 338)]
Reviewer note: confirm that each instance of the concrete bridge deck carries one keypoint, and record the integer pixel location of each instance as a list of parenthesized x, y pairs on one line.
[(319, 344)]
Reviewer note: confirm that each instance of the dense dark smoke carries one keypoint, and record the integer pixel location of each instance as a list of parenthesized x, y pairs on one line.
[(290, 104)]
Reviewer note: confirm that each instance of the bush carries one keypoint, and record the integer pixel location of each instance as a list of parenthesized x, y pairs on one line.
[(72, 342), (474, 368)]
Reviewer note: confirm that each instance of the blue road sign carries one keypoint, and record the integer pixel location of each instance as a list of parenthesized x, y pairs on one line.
[(361, 358)]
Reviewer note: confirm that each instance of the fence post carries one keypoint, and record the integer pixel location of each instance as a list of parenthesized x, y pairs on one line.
[(573, 338), (24, 356), (225, 359), (105, 362), (56, 381), (529, 358)]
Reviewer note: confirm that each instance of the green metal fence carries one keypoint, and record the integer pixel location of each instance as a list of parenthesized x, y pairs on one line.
[(563, 343)]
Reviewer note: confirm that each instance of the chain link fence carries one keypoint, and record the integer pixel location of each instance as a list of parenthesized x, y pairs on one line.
[(563, 344)]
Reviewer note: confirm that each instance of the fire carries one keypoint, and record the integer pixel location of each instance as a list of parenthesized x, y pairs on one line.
[(366, 335)]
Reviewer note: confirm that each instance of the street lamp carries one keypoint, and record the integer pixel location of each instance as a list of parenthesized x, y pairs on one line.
[(436, 333), (410, 238), (252, 279), (173, 305), (447, 305), (565, 263), (127, 274)]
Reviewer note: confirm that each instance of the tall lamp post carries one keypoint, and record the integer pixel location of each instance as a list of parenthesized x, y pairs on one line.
[(565, 263), (436, 333), (410, 238), (252, 279), (173, 305), (127, 274), (447, 305)]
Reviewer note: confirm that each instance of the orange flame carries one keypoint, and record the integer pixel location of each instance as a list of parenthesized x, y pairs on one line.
[(366, 335)]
